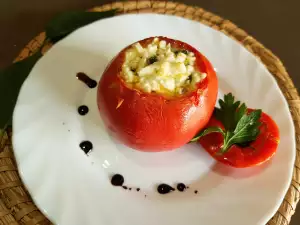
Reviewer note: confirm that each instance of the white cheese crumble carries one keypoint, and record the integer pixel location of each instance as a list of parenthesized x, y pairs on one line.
[(160, 68)]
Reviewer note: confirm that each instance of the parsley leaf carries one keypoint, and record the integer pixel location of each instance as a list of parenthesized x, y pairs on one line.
[(246, 130), (207, 131), (240, 126), (230, 112)]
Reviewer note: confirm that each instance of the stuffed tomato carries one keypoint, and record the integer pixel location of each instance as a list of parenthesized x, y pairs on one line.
[(157, 93)]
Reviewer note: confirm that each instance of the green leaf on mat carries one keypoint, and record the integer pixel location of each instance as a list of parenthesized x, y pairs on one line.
[(65, 23), (2, 134), (11, 80), (2, 131)]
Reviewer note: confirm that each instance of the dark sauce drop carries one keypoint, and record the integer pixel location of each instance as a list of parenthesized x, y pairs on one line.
[(181, 187), (196, 192), (138, 189), (125, 187), (164, 189), (129, 189), (117, 180), (86, 79), (86, 146), (83, 110)]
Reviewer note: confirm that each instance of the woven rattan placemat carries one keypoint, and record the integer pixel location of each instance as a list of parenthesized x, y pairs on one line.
[(16, 206)]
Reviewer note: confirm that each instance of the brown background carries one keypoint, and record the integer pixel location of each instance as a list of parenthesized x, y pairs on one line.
[(275, 23)]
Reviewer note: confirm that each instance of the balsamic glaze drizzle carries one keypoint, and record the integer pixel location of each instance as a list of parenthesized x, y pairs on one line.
[(86, 79), (83, 110), (86, 146), (117, 180), (181, 187), (164, 189)]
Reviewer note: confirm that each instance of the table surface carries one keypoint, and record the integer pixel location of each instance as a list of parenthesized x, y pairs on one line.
[(273, 22)]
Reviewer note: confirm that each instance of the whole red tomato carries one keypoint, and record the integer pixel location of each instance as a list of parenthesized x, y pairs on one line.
[(251, 154), (150, 121)]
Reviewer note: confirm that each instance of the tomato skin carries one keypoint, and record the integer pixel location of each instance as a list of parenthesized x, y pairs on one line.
[(259, 151), (152, 122)]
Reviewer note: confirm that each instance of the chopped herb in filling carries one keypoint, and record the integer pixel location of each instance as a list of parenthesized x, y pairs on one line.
[(161, 69)]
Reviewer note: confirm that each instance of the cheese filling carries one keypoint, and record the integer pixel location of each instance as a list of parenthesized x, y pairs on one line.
[(161, 69)]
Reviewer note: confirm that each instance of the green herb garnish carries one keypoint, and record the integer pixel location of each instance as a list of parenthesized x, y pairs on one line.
[(152, 60), (240, 127), (182, 51)]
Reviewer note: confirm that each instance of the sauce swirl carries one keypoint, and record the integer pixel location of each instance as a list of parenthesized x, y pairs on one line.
[(86, 79)]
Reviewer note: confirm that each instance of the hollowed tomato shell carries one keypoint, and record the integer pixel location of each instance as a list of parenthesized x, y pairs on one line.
[(149, 121)]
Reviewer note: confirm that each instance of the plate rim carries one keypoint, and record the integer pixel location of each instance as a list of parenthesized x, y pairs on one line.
[(280, 91)]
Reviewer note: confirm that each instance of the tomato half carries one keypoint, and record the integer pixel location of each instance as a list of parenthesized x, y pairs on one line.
[(254, 153), (149, 121)]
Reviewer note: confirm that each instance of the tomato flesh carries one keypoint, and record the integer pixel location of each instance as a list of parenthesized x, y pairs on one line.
[(255, 153), (149, 121)]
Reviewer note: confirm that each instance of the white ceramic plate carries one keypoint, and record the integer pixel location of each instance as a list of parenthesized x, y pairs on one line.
[(72, 188)]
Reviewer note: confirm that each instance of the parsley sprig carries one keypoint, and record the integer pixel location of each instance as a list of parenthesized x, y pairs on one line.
[(240, 127)]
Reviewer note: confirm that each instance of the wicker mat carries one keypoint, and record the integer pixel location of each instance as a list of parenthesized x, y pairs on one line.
[(16, 206)]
